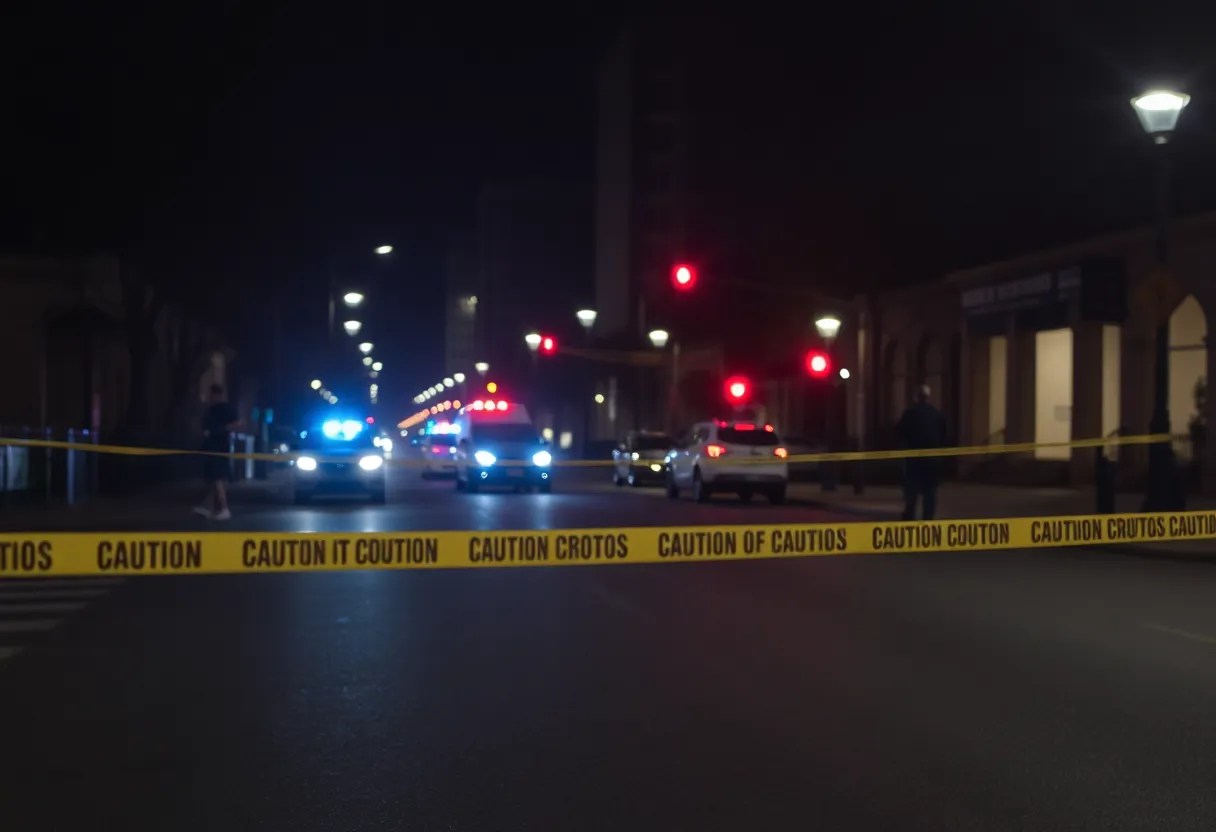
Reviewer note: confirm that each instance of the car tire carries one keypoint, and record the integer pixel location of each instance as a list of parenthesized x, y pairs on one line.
[(745, 495), (700, 490), (470, 487), (459, 483), (673, 490), (616, 479), (776, 496), (302, 498)]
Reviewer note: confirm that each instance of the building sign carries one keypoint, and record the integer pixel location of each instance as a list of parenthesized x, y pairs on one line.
[(1043, 301)]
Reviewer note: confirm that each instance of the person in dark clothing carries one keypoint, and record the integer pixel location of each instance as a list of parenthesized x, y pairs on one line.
[(218, 423), (921, 427)]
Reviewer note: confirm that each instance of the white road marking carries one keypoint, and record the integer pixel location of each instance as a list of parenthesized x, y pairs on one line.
[(28, 625), (8, 652), (50, 594), (44, 607)]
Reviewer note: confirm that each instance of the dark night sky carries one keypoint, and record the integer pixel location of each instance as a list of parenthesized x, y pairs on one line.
[(880, 145)]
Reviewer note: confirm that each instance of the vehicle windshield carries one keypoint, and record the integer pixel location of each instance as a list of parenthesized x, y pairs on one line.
[(318, 441), (506, 433), (752, 436), (653, 442)]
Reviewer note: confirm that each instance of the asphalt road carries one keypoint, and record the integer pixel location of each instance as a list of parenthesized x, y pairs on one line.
[(1016, 690)]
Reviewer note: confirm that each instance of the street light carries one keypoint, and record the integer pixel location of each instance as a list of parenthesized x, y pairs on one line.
[(482, 368), (448, 382), (1158, 111), (352, 327), (377, 366), (315, 384), (587, 317), (599, 398), (828, 327), (659, 337), (366, 347), (532, 339), (367, 361), (384, 250), (459, 377), (352, 298)]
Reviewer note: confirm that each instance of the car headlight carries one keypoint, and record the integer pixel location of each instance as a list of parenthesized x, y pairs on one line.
[(371, 462), (542, 458), (635, 455), (484, 458), (306, 463)]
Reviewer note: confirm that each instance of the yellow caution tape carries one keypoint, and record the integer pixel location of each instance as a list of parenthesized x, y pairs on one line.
[(35, 555), (843, 456)]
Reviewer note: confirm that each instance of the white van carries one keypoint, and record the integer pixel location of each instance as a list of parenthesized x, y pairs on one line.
[(499, 446)]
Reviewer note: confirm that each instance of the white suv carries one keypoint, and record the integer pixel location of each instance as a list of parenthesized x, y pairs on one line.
[(742, 457)]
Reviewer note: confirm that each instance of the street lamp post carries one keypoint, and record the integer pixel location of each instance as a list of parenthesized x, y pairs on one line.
[(828, 327), (1158, 112), (586, 319), (659, 339)]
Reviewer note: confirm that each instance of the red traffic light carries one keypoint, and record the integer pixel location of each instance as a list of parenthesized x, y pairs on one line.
[(738, 389), (548, 345), (683, 276), (818, 365)]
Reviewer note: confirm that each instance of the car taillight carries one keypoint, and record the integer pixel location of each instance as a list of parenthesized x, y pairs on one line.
[(744, 426), (715, 451), (781, 452), (768, 428), (437, 449)]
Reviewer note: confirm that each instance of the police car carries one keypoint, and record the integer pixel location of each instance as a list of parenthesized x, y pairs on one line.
[(499, 446), (438, 451), (739, 456), (341, 457)]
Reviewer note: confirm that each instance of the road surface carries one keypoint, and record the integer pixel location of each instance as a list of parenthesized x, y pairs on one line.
[(1015, 690)]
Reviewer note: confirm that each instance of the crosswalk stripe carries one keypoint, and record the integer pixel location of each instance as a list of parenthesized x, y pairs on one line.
[(8, 652), (28, 625), (44, 607), (50, 594)]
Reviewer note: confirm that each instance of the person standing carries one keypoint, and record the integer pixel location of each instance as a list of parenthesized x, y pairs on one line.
[(921, 427), (220, 420)]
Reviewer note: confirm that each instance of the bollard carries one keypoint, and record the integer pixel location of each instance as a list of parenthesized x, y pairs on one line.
[(827, 476), (1104, 483), (70, 489)]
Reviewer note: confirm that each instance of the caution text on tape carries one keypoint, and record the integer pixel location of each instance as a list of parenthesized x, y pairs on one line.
[(35, 555)]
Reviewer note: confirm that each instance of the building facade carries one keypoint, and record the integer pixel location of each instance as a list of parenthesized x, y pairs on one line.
[(68, 334), (1051, 347)]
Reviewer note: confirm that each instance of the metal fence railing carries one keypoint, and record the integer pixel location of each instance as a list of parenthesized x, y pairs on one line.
[(34, 475)]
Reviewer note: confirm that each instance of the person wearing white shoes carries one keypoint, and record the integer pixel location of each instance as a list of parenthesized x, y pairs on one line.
[(220, 420)]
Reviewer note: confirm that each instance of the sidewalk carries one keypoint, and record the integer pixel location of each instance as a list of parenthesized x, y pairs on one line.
[(965, 501), (132, 508)]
